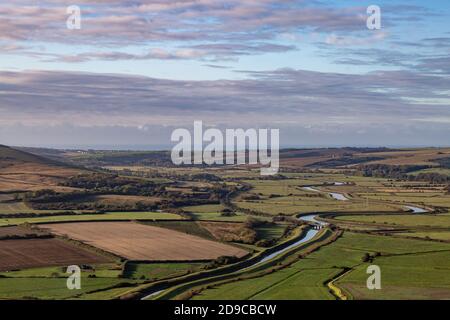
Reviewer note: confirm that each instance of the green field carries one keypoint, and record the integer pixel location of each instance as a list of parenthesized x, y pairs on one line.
[(156, 271), (50, 282), (288, 197), (304, 279), (101, 271), (92, 217), (212, 212), (11, 208), (14, 207), (422, 198), (51, 288), (288, 284), (270, 232), (373, 225), (423, 220), (189, 227), (103, 294), (294, 205), (443, 235), (407, 276), (205, 208), (443, 171)]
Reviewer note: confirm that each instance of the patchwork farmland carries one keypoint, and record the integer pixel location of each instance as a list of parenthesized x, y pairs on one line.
[(135, 241), (136, 227)]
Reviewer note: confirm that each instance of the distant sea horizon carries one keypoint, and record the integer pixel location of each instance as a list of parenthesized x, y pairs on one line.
[(166, 147)]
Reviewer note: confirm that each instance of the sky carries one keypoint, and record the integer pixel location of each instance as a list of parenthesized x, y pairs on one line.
[(136, 70)]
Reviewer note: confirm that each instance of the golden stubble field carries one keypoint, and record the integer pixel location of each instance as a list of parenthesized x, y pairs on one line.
[(135, 241)]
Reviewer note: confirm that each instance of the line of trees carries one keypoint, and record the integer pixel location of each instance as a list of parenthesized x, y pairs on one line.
[(402, 173)]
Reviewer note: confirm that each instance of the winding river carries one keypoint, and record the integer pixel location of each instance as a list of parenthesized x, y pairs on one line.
[(335, 195), (341, 197), (416, 209), (308, 236)]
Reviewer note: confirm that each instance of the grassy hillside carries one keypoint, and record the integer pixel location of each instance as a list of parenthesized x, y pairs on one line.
[(8, 154), (23, 171)]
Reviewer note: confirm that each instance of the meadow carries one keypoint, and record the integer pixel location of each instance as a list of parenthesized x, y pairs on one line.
[(52, 288), (424, 220), (213, 212), (158, 271), (201, 213), (412, 275), (109, 216), (306, 278)]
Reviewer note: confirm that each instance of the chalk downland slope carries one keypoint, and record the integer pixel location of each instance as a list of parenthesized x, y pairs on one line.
[(22, 171)]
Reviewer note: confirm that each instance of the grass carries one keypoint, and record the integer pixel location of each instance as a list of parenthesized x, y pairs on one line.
[(286, 284), (50, 288), (212, 212), (93, 217), (50, 283), (156, 271), (14, 207), (17, 207), (443, 171), (422, 220), (205, 208), (217, 216), (305, 278), (189, 227), (410, 268), (294, 205), (411, 276), (103, 295), (270, 232), (443, 235), (302, 285), (388, 245), (288, 197), (426, 198), (102, 271)]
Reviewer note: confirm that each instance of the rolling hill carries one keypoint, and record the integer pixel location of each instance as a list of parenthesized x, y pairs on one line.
[(23, 171)]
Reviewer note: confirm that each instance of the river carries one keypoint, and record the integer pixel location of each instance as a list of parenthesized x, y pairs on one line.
[(308, 236), (335, 195), (416, 209)]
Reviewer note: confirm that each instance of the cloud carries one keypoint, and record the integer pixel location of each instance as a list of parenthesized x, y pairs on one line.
[(279, 95), (155, 53), (310, 108), (219, 28), (438, 64), (212, 32), (334, 39), (213, 52)]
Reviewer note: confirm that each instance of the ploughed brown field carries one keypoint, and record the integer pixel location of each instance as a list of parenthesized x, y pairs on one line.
[(135, 241), (34, 253)]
